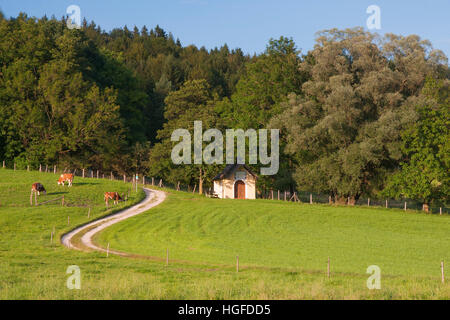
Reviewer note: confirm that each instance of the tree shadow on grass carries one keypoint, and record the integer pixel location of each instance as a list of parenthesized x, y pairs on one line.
[(56, 193), (84, 183)]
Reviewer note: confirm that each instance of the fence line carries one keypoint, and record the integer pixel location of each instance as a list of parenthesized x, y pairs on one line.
[(290, 196), (312, 197)]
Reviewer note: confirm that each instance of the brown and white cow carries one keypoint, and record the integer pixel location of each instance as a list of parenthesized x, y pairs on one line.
[(38, 187), (113, 196), (65, 177)]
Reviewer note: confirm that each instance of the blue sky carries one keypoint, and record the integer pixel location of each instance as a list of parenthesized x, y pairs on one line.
[(249, 24)]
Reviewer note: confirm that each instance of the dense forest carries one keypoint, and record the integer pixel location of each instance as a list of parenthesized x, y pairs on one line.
[(360, 114)]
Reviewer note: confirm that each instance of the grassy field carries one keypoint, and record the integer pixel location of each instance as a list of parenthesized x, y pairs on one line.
[(282, 247), (277, 234)]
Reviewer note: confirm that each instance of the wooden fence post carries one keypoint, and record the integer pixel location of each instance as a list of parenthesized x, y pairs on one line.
[(28, 167), (386, 203), (178, 186), (97, 174), (285, 195), (368, 202), (440, 211), (40, 168), (278, 195), (143, 179), (4, 165), (271, 192), (111, 176), (124, 178), (153, 181), (405, 205), (82, 173), (46, 168), (54, 169), (14, 166), (310, 199)]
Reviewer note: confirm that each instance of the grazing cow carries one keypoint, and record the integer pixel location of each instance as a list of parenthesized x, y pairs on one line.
[(65, 177), (113, 196), (38, 187)]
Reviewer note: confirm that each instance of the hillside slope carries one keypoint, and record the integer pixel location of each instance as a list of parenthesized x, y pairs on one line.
[(202, 230), (276, 234)]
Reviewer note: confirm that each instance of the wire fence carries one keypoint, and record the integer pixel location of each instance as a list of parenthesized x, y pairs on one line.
[(291, 196), (313, 197)]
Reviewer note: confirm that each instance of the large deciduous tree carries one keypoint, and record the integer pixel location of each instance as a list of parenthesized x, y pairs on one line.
[(345, 130), (192, 102), (267, 81), (51, 111), (425, 169)]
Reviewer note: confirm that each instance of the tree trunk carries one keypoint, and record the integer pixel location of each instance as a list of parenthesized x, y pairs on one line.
[(200, 182), (352, 200), (340, 200)]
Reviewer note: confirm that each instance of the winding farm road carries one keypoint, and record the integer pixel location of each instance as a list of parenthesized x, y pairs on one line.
[(85, 233)]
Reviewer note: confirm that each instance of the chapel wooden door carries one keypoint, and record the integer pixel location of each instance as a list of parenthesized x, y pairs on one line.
[(239, 190)]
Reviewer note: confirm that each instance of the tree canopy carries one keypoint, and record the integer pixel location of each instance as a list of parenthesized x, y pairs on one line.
[(359, 114), (345, 129)]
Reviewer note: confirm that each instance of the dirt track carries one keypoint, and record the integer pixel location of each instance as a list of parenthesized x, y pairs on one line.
[(87, 232)]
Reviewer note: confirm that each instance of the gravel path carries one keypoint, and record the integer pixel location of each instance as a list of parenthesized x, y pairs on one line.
[(152, 199)]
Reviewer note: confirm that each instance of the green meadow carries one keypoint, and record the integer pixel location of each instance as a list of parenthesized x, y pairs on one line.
[(282, 247), (277, 234)]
